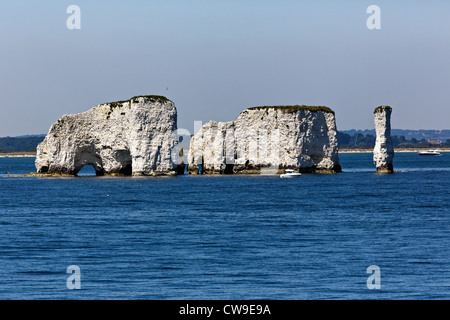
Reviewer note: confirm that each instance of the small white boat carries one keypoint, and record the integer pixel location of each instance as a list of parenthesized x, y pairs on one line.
[(289, 173), (429, 153)]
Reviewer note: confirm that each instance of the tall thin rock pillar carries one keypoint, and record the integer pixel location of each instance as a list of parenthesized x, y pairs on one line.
[(383, 153)]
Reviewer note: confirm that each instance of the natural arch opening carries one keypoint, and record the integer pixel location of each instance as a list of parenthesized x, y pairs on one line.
[(87, 171), (88, 159)]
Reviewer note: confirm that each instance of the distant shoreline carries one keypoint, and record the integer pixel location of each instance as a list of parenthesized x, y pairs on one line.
[(18, 154), (346, 150)]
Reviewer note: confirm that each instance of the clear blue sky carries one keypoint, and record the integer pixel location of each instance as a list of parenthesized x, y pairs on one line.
[(214, 58)]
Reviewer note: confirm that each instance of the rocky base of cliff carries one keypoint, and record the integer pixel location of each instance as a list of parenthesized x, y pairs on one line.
[(263, 170), (385, 169)]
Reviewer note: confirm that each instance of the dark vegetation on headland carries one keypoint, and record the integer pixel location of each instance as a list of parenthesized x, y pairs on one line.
[(20, 144), (353, 139), (349, 139)]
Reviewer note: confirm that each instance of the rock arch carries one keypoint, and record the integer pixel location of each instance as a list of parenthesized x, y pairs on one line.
[(132, 137)]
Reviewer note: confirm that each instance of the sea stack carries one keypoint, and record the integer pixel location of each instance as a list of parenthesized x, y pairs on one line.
[(132, 137), (267, 140), (383, 153)]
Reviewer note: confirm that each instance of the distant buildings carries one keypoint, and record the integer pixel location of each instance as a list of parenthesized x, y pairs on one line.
[(435, 142)]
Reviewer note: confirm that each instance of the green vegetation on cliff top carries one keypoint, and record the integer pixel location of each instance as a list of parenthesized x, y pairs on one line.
[(381, 108), (152, 97), (295, 108), (146, 98)]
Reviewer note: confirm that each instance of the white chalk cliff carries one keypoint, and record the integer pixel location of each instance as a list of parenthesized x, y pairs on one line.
[(268, 140), (383, 153), (133, 137)]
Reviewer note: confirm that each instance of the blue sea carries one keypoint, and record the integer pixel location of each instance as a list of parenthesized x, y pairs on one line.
[(229, 237)]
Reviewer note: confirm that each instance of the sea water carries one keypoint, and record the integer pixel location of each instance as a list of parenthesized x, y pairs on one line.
[(229, 237)]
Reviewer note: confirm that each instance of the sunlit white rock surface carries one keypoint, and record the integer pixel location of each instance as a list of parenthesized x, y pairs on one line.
[(267, 139), (125, 137), (383, 153)]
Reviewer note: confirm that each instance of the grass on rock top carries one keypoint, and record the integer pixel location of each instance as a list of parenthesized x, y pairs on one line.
[(153, 98), (381, 108), (294, 108)]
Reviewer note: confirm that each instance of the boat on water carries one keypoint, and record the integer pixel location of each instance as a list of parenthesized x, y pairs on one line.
[(289, 173), (429, 153)]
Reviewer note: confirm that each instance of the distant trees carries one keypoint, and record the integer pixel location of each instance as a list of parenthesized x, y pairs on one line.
[(358, 140), (361, 141), (12, 144)]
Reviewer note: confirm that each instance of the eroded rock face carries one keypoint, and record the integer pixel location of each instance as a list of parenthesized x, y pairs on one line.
[(383, 153), (133, 137), (267, 140)]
